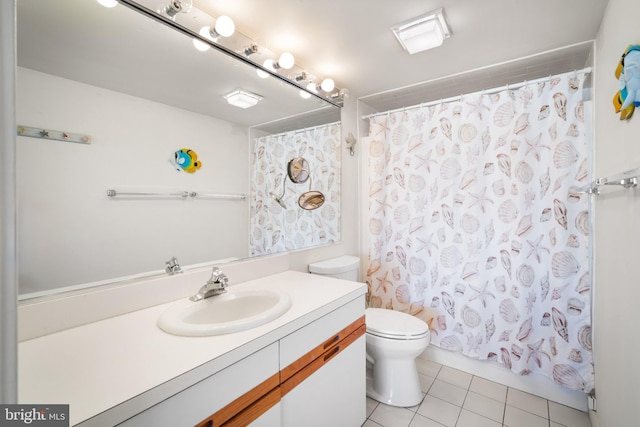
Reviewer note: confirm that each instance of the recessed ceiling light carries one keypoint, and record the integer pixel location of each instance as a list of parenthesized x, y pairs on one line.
[(423, 32), (242, 99)]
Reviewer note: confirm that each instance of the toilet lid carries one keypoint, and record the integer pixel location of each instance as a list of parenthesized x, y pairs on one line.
[(394, 324)]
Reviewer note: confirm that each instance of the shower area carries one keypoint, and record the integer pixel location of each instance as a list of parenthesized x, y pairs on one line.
[(476, 220)]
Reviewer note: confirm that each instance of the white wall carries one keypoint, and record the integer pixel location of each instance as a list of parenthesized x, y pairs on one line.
[(8, 250), (616, 292), (70, 232)]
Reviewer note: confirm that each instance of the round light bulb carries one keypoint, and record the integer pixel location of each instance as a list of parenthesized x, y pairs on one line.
[(304, 94), (286, 61), (225, 26), (312, 87), (206, 33), (327, 85), (268, 64), (108, 3)]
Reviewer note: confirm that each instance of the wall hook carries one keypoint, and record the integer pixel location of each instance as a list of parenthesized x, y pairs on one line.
[(351, 142)]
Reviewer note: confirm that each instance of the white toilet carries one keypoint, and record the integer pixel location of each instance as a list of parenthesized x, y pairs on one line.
[(394, 340)]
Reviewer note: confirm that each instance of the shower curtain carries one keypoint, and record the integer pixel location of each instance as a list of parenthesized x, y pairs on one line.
[(275, 229), (475, 225)]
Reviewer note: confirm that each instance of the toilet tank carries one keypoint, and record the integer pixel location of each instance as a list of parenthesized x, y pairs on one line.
[(344, 267)]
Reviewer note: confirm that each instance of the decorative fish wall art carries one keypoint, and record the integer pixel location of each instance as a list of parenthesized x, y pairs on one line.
[(628, 75), (187, 160)]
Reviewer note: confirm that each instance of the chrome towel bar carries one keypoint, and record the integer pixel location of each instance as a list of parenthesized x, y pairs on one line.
[(181, 194)]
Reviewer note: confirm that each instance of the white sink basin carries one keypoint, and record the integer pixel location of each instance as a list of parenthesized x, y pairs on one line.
[(230, 312)]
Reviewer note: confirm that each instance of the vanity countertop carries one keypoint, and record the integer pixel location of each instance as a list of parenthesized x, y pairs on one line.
[(127, 361)]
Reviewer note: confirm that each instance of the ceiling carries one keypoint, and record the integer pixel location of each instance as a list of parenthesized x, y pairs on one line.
[(494, 42), (350, 41)]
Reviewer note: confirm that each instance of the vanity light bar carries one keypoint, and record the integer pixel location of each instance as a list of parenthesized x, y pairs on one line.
[(334, 97)]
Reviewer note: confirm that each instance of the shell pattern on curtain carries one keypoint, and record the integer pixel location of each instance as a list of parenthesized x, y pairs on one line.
[(274, 229), (475, 226)]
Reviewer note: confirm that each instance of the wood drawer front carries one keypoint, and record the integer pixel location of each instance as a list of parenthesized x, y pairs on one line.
[(320, 350), (321, 355), (260, 399), (247, 407)]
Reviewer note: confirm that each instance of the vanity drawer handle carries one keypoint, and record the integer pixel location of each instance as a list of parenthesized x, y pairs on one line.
[(331, 341), (332, 353)]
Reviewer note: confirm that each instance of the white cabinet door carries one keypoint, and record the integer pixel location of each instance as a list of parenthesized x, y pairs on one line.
[(333, 396)]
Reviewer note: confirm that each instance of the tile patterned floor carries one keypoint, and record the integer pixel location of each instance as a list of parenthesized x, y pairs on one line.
[(456, 399)]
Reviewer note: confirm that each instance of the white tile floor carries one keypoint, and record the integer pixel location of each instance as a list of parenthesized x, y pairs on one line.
[(456, 399)]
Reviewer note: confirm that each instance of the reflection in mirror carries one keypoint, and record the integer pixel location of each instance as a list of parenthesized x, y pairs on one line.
[(278, 222), (298, 170), (142, 93)]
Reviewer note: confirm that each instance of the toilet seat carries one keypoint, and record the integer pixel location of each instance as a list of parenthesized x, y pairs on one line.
[(394, 324)]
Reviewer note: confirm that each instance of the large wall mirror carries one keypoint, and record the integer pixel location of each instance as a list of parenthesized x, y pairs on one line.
[(140, 94)]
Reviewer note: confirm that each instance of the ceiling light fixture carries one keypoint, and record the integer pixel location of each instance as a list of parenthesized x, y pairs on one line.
[(300, 76), (423, 32), (327, 85), (242, 99), (174, 7), (285, 61), (108, 3), (250, 50), (224, 27), (268, 64), (311, 87)]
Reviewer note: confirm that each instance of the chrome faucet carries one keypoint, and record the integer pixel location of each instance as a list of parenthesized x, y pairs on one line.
[(173, 267), (215, 286)]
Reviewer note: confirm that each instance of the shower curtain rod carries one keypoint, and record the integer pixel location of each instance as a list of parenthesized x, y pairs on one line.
[(316, 127), (480, 92)]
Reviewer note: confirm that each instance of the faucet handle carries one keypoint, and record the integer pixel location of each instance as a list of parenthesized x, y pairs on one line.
[(223, 279), (173, 266), (217, 276)]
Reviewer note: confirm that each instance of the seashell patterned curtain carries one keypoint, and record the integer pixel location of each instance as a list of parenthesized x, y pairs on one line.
[(274, 229), (475, 226)]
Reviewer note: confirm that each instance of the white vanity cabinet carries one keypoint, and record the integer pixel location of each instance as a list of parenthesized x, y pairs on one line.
[(314, 376), (334, 395), (324, 384), (236, 388), (305, 368)]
